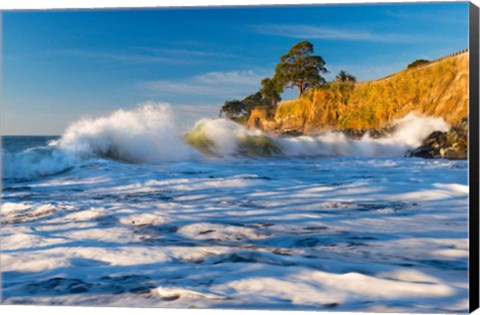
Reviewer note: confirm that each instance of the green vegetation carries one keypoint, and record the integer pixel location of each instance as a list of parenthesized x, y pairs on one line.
[(417, 63), (298, 68), (344, 76), (270, 92), (240, 110), (233, 110)]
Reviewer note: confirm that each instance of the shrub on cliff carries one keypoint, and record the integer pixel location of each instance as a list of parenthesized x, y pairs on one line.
[(417, 63), (344, 76)]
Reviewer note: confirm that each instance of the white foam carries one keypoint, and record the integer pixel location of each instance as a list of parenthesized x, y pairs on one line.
[(409, 133), (317, 234), (412, 129), (145, 134)]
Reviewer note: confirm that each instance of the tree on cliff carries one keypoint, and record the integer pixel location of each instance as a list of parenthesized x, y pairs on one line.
[(232, 109), (237, 109), (344, 76), (300, 68), (270, 91), (252, 101), (268, 96)]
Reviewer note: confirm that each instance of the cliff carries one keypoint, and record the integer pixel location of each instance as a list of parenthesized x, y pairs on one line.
[(439, 89)]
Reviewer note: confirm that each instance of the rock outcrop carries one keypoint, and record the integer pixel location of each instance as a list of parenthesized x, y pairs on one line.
[(452, 144)]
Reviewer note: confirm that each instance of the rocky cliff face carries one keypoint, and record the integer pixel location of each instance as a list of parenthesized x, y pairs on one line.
[(437, 89)]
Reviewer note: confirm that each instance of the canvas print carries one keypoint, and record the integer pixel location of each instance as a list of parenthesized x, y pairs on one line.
[(309, 157)]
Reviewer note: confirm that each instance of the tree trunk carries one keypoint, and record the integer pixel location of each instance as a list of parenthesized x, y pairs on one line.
[(300, 88)]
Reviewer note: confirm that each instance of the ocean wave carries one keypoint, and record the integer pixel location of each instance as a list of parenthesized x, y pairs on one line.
[(36, 162), (147, 135), (223, 138)]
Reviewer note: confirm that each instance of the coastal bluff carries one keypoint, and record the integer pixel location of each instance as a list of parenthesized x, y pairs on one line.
[(438, 89)]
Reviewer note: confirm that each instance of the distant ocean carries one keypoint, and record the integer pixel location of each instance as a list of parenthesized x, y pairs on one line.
[(15, 144), (125, 211)]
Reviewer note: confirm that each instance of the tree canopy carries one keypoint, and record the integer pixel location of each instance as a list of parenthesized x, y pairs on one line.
[(267, 96), (270, 91), (300, 68), (233, 109), (344, 76)]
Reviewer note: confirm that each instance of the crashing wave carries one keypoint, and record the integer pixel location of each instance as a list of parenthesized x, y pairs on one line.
[(147, 135), (222, 138)]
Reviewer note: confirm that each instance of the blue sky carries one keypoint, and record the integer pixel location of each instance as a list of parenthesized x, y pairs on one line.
[(59, 66)]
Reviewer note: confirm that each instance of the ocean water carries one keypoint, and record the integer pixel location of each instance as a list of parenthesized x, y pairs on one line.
[(15, 144), (123, 210)]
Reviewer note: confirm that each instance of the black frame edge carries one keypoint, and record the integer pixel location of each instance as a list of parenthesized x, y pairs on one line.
[(473, 158)]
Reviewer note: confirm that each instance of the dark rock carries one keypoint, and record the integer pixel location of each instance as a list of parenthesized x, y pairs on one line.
[(357, 134), (425, 152), (291, 133), (452, 144), (436, 140)]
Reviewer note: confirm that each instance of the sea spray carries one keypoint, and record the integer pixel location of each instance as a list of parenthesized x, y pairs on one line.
[(145, 134), (412, 129)]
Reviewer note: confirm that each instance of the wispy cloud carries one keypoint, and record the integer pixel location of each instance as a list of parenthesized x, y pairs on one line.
[(136, 55), (186, 52), (317, 32), (157, 55), (245, 77), (231, 84), (113, 56)]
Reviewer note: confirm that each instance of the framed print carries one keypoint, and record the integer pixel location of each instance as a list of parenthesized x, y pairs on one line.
[(310, 157)]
